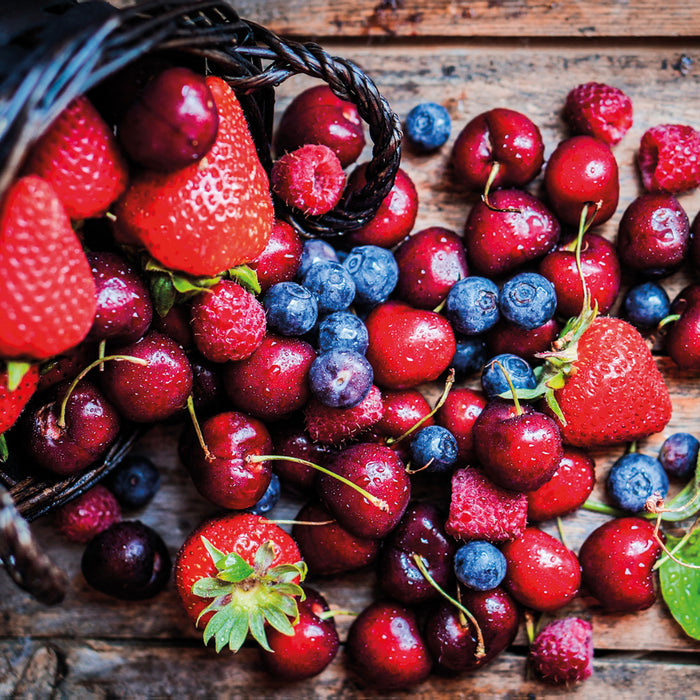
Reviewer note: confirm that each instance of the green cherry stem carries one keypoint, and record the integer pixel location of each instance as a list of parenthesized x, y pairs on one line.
[(480, 647), (671, 318), (596, 507), (493, 173), (516, 400), (197, 429)]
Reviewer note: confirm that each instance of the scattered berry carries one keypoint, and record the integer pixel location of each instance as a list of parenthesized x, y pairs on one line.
[(646, 304), (599, 110), (340, 378), (332, 284), (669, 158), (527, 300), (434, 448), (427, 126), (134, 482), (290, 308), (497, 371), (472, 305), (633, 479), (562, 652), (679, 455), (87, 515), (374, 272), (342, 331), (479, 565)]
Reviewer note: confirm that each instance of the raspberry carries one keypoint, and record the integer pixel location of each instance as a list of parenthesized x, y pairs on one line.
[(86, 516), (599, 110), (480, 510), (309, 179), (228, 323), (669, 158), (331, 426), (563, 651)]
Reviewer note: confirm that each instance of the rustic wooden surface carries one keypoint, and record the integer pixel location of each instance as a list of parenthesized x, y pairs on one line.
[(528, 56)]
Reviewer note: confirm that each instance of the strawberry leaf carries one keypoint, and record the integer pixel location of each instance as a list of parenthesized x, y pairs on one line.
[(679, 584), (264, 556), (163, 293), (210, 588), (246, 277), (239, 629), (4, 452), (278, 620), (217, 556), (256, 624), (15, 372)]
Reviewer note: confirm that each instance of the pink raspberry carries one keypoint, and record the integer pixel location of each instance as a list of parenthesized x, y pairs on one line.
[(563, 651), (480, 510), (599, 110), (228, 322), (669, 158), (332, 426), (309, 179), (87, 515)]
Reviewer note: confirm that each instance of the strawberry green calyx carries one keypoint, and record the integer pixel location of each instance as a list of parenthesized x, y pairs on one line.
[(247, 597)]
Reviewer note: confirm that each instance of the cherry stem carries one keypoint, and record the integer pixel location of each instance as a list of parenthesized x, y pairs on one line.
[(443, 397), (302, 522), (198, 430), (84, 372), (671, 318), (493, 173), (480, 647), (560, 528), (516, 401), (328, 614), (378, 502), (420, 469), (530, 627), (596, 507), (670, 554), (101, 351)]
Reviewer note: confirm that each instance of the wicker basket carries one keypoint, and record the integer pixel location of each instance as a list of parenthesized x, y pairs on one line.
[(64, 50)]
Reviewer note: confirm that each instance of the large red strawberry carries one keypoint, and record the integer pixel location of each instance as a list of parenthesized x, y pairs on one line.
[(80, 157), (236, 573), (212, 215), (14, 398), (47, 292)]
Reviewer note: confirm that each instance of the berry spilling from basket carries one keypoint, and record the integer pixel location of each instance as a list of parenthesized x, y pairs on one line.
[(301, 367)]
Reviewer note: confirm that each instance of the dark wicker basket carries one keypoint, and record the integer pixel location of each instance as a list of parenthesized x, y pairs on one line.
[(50, 55)]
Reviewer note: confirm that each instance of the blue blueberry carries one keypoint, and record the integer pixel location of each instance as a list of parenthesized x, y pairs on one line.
[(493, 380), (435, 447), (633, 478), (528, 300), (427, 126), (269, 499), (646, 304), (480, 565), (470, 356), (472, 305), (332, 284), (314, 250), (134, 482), (340, 378), (291, 309), (342, 331), (679, 455), (374, 272)]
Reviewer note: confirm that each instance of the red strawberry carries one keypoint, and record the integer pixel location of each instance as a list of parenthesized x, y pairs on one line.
[(212, 215), (480, 510), (669, 158), (599, 110), (13, 400), (79, 156), (235, 573), (89, 514), (47, 292)]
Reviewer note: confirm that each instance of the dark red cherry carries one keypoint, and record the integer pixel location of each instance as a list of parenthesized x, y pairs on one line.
[(682, 339), (403, 408), (281, 257), (458, 414), (207, 385), (506, 337), (176, 325)]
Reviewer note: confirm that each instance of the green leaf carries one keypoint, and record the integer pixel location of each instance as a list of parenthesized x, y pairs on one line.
[(554, 406), (210, 588), (216, 623), (15, 372), (238, 570), (239, 629), (264, 556), (217, 556), (278, 620), (163, 293), (256, 623), (4, 452), (246, 277), (680, 585), (189, 285)]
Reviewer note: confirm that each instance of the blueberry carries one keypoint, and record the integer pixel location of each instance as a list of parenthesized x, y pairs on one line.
[(374, 272), (428, 126), (633, 478), (435, 447), (342, 331), (269, 499), (472, 305), (528, 300), (493, 380), (480, 565), (679, 455), (134, 482), (646, 304), (291, 309), (470, 356), (340, 378), (314, 250), (332, 284)]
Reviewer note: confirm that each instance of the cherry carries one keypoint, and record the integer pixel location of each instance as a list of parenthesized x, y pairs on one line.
[(430, 261), (682, 340), (67, 366), (420, 532), (124, 310), (386, 649), (227, 476), (381, 473), (279, 261), (506, 337), (329, 548), (695, 241), (542, 573), (273, 381), (207, 385), (403, 409), (515, 228), (176, 325), (318, 116), (518, 447), (503, 138), (582, 170), (458, 414), (600, 267), (173, 123), (617, 560), (145, 394), (451, 638)]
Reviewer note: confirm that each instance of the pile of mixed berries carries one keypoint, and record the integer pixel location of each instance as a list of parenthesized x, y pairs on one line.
[(147, 274)]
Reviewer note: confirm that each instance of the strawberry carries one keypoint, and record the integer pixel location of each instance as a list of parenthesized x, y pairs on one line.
[(79, 156), (47, 292), (209, 216), (669, 158), (599, 110), (14, 396), (236, 572)]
